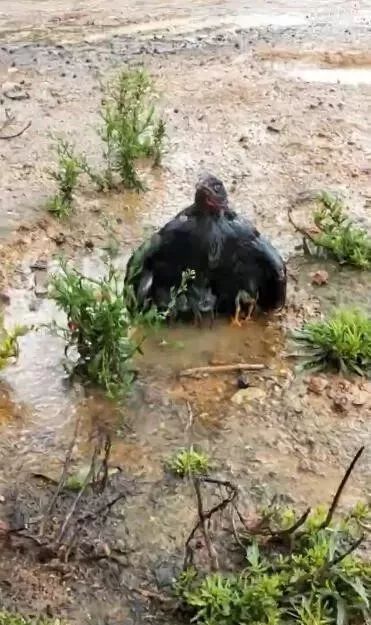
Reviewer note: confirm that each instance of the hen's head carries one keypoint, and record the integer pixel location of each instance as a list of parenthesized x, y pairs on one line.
[(211, 195)]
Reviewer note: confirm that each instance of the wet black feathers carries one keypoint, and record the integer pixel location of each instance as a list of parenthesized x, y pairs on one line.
[(248, 262), (186, 242)]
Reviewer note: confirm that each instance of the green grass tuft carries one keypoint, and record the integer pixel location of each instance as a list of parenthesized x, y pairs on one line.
[(189, 463), (347, 243), (342, 341)]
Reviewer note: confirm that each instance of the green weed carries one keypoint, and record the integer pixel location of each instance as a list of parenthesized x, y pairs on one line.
[(347, 243), (66, 176), (343, 341), (100, 326), (189, 462), (316, 580), (9, 342), (131, 129)]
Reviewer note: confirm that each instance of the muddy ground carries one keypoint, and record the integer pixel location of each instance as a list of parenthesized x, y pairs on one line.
[(274, 98)]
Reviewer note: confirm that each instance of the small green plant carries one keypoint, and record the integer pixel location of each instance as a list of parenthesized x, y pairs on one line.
[(315, 580), (100, 326), (9, 347), (130, 129), (66, 176), (342, 341), (189, 463), (347, 243)]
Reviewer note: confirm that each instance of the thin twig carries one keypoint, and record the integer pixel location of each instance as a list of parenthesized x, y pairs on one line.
[(310, 577), (340, 489), (89, 516), (207, 515), (234, 529), (62, 480), (294, 527), (104, 467), (202, 523), (151, 594), (260, 527), (299, 229), (242, 366), (17, 134), (190, 417), (350, 550), (77, 498)]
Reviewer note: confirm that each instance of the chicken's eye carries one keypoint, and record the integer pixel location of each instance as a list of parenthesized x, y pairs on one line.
[(217, 187)]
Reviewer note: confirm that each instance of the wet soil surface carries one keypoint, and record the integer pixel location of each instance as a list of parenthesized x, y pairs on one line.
[(275, 99)]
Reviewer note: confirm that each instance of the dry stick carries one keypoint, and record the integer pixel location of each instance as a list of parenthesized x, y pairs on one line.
[(77, 498), (234, 529), (107, 506), (207, 515), (350, 550), (294, 527), (90, 516), (104, 466), (62, 480), (242, 366), (17, 134), (302, 231), (260, 527), (202, 522), (190, 416), (340, 489)]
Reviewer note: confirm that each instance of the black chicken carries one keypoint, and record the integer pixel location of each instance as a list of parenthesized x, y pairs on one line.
[(190, 241), (231, 260), (250, 271)]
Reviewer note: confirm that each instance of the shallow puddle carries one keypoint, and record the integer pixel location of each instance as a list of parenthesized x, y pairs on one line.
[(38, 379), (346, 76)]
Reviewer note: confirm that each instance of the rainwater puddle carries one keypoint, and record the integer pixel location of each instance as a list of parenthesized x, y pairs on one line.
[(39, 382), (346, 76)]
